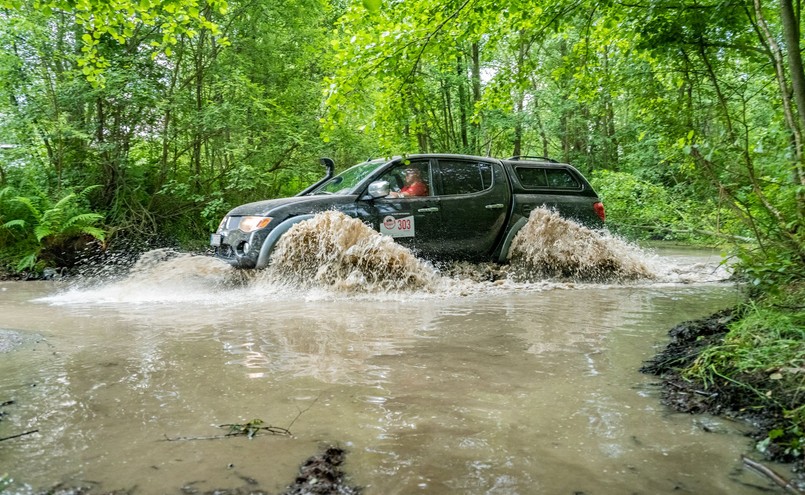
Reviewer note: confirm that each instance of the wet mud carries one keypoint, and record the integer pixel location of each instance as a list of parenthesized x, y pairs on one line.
[(322, 475)]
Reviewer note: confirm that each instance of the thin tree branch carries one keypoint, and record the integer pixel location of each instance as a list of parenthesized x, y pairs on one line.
[(302, 412), (769, 473), (19, 435)]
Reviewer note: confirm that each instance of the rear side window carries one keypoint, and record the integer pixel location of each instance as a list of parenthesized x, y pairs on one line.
[(459, 177), (553, 178), (561, 179), (532, 177)]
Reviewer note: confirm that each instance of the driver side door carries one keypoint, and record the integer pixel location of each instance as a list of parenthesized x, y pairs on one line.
[(412, 221)]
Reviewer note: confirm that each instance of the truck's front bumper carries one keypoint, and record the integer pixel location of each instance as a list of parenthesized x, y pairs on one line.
[(237, 248)]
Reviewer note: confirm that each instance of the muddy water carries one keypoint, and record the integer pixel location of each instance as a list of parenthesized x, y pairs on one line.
[(458, 386)]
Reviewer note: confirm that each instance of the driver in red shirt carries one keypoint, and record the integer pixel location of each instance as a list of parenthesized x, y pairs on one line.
[(414, 185)]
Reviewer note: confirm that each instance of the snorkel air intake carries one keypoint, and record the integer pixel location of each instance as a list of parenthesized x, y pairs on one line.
[(329, 165)]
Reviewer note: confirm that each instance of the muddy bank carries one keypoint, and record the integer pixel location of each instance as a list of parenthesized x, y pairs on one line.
[(721, 397)]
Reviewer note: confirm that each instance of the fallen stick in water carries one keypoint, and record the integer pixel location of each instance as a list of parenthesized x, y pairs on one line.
[(249, 429), (19, 435), (769, 473)]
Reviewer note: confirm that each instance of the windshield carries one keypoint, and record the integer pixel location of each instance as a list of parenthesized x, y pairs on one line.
[(345, 182)]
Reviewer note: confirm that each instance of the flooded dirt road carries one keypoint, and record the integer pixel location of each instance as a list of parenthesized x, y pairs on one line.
[(469, 386)]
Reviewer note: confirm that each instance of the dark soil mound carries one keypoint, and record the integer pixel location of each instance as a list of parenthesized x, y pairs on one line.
[(688, 339), (322, 475)]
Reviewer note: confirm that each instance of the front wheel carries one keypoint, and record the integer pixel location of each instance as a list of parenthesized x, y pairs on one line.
[(274, 236)]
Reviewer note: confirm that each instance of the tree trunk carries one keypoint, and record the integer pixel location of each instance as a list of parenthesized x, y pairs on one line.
[(167, 119), (791, 35), (522, 52), (476, 93), (611, 153), (792, 39), (199, 107), (462, 102), (518, 128)]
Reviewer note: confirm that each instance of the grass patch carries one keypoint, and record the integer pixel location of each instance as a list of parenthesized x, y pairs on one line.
[(760, 366)]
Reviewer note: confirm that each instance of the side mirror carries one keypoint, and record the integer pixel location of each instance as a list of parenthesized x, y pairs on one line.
[(379, 189)]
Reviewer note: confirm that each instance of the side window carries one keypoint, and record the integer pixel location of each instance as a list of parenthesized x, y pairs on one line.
[(561, 179), (411, 178), (459, 177), (553, 178), (531, 177)]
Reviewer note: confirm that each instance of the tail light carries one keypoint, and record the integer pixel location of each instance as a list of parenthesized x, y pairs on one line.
[(599, 210)]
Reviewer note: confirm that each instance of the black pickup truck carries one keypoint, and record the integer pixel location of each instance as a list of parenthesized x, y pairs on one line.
[(469, 208)]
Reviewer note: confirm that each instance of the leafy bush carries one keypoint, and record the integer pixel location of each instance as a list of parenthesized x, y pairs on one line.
[(36, 232), (769, 268), (643, 210)]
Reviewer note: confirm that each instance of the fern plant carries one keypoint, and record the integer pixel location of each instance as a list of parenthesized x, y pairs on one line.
[(39, 230)]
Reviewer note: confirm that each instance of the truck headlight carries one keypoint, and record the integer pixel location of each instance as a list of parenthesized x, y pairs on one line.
[(250, 224)]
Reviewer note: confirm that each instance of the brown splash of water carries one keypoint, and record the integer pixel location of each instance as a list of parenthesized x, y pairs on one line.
[(166, 265), (166, 270), (552, 246), (339, 252)]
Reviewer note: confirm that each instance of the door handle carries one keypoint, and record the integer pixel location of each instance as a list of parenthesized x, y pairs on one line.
[(426, 210), (495, 206)]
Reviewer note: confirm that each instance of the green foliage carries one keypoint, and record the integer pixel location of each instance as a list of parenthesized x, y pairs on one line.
[(769, 268), (641, 209), (173, 141), (638, 209), (120, 21), (248, 429), (35, 230), (766, 338)]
